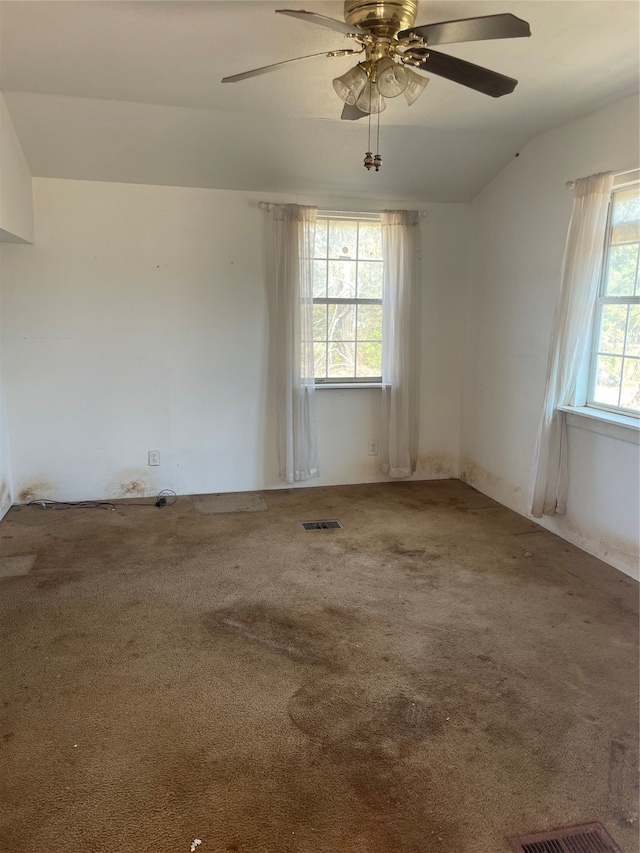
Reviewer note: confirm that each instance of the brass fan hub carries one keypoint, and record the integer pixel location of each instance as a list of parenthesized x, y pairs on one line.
[(381, 18)]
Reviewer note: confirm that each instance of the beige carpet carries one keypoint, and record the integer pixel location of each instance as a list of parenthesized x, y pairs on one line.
[(230, 502), (437, 675)]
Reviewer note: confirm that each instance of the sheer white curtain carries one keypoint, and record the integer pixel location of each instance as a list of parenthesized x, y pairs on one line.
[(401, 342), (570, 340), (293, 241)]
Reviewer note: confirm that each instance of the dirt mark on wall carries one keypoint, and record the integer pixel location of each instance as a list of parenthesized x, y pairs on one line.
[(615, 550), (131, 483), (5, 497), (34, 491), (437, 466), (490, 484)]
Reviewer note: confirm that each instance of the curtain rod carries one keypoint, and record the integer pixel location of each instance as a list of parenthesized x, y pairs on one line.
[(268, 205), (570, 185)]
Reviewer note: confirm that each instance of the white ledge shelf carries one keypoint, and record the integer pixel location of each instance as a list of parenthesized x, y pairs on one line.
[(341, 386), (622, 427)]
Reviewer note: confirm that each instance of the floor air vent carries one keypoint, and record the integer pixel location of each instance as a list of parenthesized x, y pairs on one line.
[(588, 838), (332, 524)]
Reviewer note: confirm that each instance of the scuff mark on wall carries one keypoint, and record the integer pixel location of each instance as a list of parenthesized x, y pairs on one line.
[(473, 475), (620, 553), (5, 498), (132, 483), (492, 485), (437, 466), (36, 490)]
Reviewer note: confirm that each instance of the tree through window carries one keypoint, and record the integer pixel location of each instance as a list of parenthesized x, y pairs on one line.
[(615, 375), (347, 303)]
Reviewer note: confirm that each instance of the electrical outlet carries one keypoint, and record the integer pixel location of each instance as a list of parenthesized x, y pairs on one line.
[(373, 447), (154, 457)]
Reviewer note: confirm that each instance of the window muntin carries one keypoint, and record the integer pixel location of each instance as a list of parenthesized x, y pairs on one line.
[(347, 303), (615, 367)]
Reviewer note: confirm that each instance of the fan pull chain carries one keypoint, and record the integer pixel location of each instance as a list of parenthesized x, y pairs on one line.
[(377, 160), (368, 157), (369, 139), (371, 162)]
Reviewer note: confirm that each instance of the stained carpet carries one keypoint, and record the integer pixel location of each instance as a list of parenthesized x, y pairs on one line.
[(437, 675)]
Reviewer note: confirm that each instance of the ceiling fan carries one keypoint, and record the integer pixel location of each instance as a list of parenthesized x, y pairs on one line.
[(392, 46)]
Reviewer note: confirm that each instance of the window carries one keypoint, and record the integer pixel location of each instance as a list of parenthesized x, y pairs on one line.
[(347, 303), (615, 363)]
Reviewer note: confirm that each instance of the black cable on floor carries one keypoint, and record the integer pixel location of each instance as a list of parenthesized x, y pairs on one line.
[(160, 501), (49, 504)]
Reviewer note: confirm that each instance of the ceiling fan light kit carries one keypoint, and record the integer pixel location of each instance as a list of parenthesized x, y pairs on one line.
[(416, 84), (385, 32), (370, 100), (392, 78), (350, 85)]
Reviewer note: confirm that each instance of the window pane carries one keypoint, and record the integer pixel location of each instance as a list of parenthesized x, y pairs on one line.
[(622, 270), (608, 376), (625, 232), (626, 206), (633, 331), (369, 323), (370, 241), (612, 328), (343, 239), (320, 250), (342, 322), (320, 360), (369, 361), (319, 322), (617, 347), (320, 279), (347, 264), (630, 394), (342, 279), (370, 280), (341, 359)]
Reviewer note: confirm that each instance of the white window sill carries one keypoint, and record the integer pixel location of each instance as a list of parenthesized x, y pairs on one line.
[(612, 424), (342, 385)]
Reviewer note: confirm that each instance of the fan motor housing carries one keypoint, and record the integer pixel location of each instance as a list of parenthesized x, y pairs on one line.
[(381, 18)]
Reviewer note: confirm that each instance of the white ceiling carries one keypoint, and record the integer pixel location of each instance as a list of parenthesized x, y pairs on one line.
[(131, 91)]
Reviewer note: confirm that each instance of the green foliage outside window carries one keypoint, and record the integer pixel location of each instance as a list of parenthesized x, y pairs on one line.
[(617, 357), (347, 331)]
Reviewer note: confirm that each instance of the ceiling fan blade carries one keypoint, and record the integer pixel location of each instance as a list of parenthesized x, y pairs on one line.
[(471, 29), (352, 113), (234, 78), (466, 73), (322, 20)]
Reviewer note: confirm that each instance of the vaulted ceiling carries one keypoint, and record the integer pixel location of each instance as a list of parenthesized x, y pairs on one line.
[(131, 91)]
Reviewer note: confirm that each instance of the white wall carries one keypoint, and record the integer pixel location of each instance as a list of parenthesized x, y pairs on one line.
[(519, 224), (16, 226), (5, 462), (139, 321), (16, 204)]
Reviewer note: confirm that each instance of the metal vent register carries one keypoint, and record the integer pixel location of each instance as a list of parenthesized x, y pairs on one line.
[(587, 838), (330, 524)]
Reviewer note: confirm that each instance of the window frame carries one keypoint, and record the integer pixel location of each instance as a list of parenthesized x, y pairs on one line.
[(620, 184), (348, 381)]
